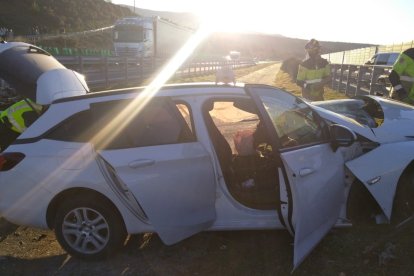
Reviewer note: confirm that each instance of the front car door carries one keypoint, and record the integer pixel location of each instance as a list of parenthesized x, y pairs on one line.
[(158, 158), (314, 171)]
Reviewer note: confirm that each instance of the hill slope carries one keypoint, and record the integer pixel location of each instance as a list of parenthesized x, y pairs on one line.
[(52, 17)]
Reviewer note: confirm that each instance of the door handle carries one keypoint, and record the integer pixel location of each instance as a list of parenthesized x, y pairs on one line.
[(306, 171), (141, 163)]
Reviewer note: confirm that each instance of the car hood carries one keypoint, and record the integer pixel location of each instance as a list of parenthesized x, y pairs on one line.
[(397, 117), (337, 118), (37, 75), (398, 122)]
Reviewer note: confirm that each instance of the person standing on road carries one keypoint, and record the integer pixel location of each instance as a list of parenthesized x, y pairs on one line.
[(15, 119), (402, 77), (313, 72)]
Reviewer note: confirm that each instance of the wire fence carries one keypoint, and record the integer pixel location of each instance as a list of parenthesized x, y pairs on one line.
[(362, 55)]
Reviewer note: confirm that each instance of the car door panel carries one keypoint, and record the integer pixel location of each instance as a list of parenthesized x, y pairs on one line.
[(311, 217), (174, 184), (155, 154), (315, 172)]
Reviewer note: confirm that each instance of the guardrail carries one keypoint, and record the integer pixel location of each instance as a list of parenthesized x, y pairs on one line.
[(104, 72), (354, 80), (351, 76), (362, 55)]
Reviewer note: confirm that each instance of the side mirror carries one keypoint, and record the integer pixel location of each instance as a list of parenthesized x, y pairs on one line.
[(341, 136)]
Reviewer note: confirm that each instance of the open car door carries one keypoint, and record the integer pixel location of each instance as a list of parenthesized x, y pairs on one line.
[(157, 157), (314, 171)]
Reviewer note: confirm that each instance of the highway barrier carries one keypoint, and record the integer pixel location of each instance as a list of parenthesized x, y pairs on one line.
[(107, 71), (353, 76)]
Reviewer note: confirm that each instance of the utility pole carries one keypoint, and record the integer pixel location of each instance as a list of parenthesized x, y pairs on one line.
[(134, 6)]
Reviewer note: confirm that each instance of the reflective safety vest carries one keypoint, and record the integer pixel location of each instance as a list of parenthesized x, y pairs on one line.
[(404, 67), (15, 113), (311, 72)]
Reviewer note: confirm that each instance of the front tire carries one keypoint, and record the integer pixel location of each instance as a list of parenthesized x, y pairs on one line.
[(403, 206), (89, 227), (362, 207)]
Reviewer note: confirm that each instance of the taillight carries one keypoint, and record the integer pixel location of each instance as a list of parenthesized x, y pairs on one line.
[(10, 159)]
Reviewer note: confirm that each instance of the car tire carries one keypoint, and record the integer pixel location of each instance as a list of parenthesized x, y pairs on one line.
[(403, 206), (362, 207), (89, 227)]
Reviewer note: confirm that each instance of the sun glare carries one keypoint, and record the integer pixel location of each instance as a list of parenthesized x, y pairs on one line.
[(226, 18), (258, 16)]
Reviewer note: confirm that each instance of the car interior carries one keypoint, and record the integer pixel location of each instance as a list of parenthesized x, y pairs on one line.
[(244, 152)]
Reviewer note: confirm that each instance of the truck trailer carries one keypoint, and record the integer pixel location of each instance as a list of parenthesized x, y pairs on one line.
[(149, 37)]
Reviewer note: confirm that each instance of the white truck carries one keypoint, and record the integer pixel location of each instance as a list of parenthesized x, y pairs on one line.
[(148, 37)]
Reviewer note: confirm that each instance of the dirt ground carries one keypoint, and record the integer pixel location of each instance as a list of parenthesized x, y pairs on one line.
[(356, 251), (368, 250)]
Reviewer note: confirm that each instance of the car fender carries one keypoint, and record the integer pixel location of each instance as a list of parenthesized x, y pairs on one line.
[(380, 169)]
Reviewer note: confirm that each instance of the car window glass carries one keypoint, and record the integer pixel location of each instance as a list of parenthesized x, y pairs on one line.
[(294, 121), (185, 112), (382, 59), (393, 57), (77, 128), (159, 124), (107, 126)]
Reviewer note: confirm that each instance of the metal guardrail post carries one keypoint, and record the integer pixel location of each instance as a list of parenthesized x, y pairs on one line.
[(189, 68), (126, 69), (334, 70), (361, 73), (348, 78), (341, 74), (80, 60), (376, 72), (106, 70)]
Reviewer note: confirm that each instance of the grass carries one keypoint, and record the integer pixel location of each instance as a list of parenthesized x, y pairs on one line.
[(284, 81)]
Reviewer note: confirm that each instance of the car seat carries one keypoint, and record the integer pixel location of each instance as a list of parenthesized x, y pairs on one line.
[(221, 146)]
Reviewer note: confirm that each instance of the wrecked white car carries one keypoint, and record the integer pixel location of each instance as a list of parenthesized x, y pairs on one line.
[(181, 159), (385, 129)]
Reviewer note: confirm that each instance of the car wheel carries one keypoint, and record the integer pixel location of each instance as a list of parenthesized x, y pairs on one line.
[(403, 206), (362, 207), (88, 227)]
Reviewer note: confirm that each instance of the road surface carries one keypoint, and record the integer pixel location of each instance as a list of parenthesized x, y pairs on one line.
[(264, 76)]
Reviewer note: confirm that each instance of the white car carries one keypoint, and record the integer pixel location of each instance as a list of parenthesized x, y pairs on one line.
[(181, 159)]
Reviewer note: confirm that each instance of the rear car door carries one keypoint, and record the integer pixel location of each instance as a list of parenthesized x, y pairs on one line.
[(314, 172), (154, 153)]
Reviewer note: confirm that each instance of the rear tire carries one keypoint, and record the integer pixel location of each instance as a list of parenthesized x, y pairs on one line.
[(89, 227)]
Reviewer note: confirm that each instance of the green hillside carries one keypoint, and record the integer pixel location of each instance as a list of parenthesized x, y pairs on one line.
[(52, 16), (69, 16)]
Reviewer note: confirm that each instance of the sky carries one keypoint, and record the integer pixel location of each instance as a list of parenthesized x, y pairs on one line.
[(381, 22)]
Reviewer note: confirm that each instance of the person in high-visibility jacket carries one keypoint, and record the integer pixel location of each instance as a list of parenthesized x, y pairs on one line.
[(313, 73), (15, 119), (402, 77)]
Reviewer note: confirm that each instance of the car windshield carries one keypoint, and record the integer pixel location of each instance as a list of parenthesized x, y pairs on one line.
[(362, 111)]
